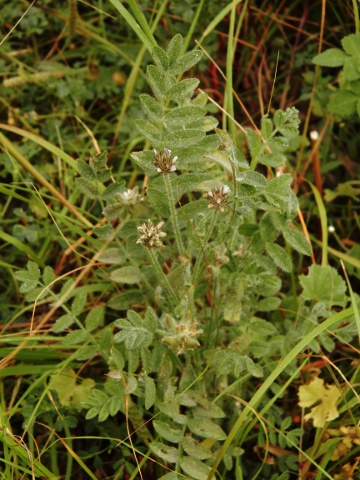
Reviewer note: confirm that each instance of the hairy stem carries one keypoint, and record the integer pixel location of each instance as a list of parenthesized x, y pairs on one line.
[(162, 279), (173, 212), (206, 239)]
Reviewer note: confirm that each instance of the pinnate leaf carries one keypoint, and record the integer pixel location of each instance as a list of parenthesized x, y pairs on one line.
[(184, 115), (150, 392), (86, 352), (123, 301), (111, 255), (33, 270), (174, 47), (115, 405), (170, 476), (169, 434), (75, 337), (92, 413), (156, 81), (185, 62), (104, 413), (233, 362), (126, 275), (29, 277), (351, 71), (87, 188), (279, 256), (99, 160), (195, 468), (117, 358), (273, 159), (112, 190), (297, 241), (151, 107), (79, 303), (268, 304), (95, 318), (160, 57), (133, 337), (37, 294), (259, 325), (206, 429), (85, 170), (185, 88), (48, 275), (28, 286), (149, 131), (63, 322), (169, 454), (183, 138), (112, 212), (249, 177), (105, 232), (131, 385), (196, 449)]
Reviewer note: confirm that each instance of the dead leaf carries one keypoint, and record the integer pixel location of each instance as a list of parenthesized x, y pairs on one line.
[(69, 392), (326, 398)]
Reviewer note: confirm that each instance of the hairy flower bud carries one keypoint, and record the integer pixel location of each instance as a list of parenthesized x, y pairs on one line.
[(151, 235), (130, 197), (181, 336), (218, 197), (163, 161)]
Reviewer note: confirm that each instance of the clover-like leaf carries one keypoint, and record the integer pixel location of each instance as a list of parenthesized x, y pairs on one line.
[(323, 284), (325, 396)]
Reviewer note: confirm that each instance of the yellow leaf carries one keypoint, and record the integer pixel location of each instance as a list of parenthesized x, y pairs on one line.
[(326, 398)]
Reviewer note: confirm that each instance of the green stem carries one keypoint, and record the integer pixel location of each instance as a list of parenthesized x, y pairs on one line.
[(356, 15), (229, 93), (69, 463), (141, 464), (192, 26), (253, 162), (229, 73), (312, 454), (211, 227), (53, 452), (162, 278), (170, 196), (212, 319), (140, 27), (139, 15), (206, 239)]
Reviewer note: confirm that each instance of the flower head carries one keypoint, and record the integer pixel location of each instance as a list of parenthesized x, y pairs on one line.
[(218, 197), (130, 197), (151, 235), (163, 161), (181, 336)]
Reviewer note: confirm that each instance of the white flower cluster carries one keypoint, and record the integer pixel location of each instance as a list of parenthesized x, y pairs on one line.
[(163, 161), (218, 197), (130, 197), (151, 235)]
